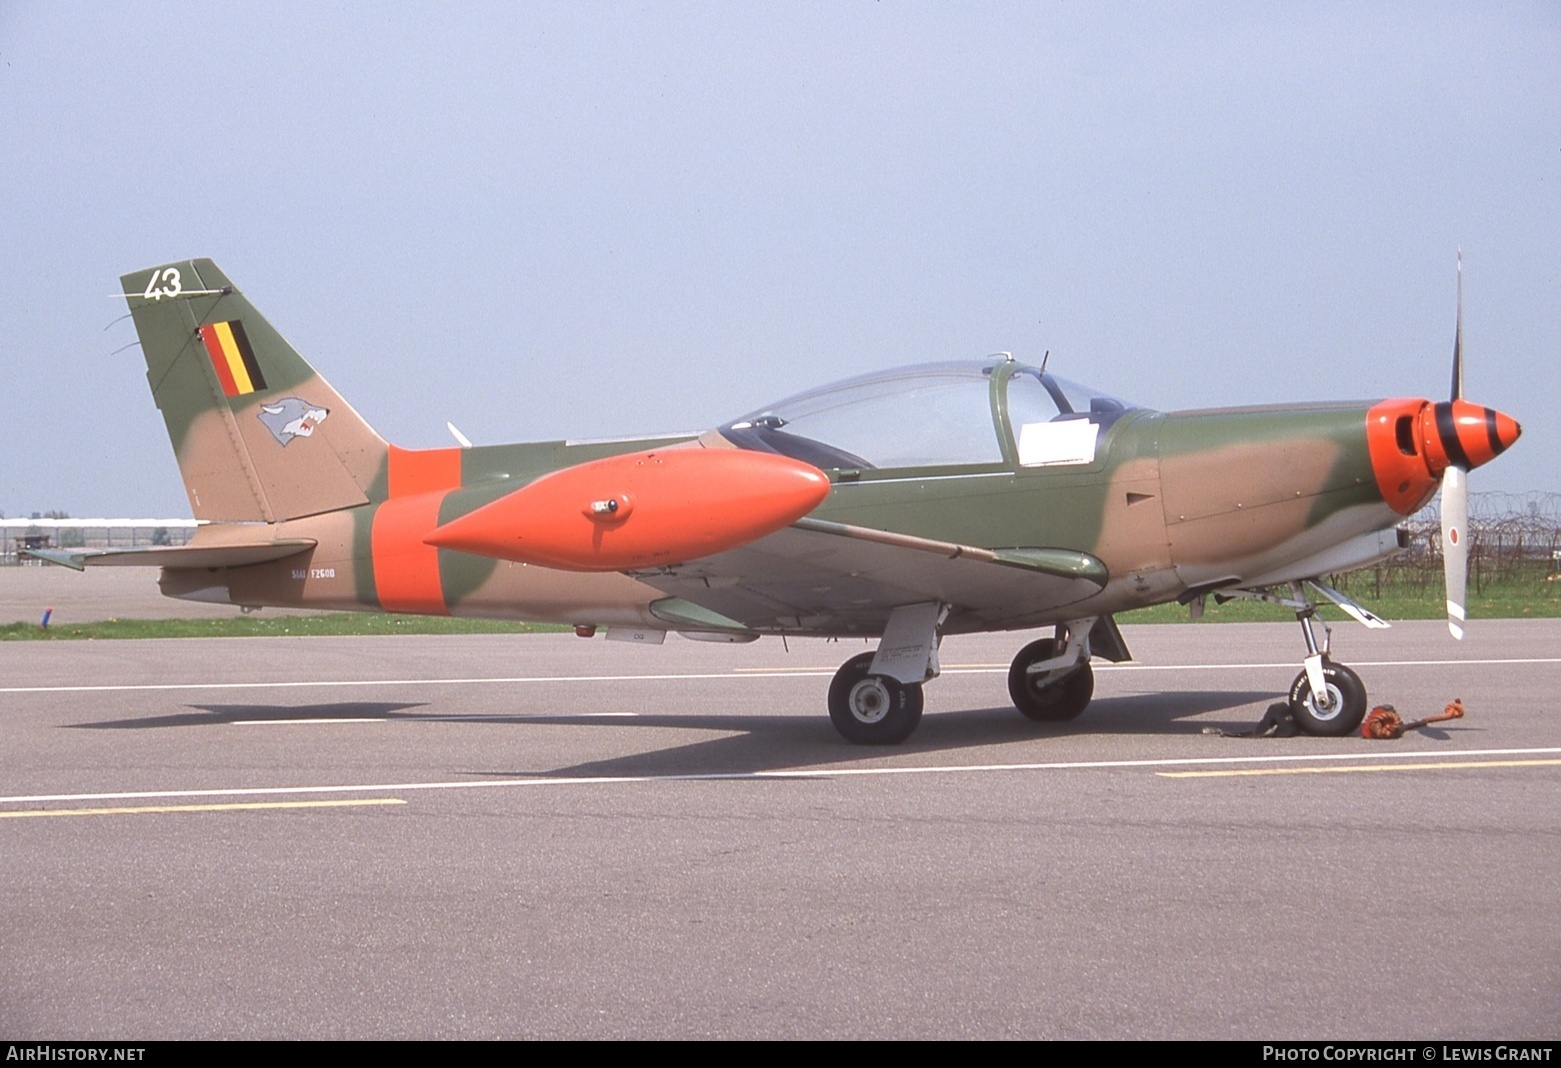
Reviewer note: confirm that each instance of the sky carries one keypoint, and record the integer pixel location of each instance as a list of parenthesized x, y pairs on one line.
[(542, 220)]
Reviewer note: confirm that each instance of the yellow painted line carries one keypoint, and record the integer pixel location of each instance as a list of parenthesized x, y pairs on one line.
[(1368, 767), (234, 807)]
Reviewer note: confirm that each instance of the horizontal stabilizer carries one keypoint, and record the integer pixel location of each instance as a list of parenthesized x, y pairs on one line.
[(174, 556)]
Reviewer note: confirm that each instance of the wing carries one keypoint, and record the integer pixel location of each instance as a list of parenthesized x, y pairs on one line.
[(835, 578)]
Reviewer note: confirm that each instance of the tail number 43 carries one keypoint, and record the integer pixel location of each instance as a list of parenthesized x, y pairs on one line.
[(170, 287)]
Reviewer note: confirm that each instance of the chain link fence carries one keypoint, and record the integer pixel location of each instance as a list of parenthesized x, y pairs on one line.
[(1514, 538)]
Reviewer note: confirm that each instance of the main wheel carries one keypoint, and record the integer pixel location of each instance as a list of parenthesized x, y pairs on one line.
[(872, 709), (1048, 697), (1346, 705)]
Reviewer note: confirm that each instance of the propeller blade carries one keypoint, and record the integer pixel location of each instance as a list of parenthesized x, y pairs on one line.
[(1455, 500), (1458, 337), (1455, 545)]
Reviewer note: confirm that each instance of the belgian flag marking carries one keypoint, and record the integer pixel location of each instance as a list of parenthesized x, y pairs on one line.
[(232, 357)]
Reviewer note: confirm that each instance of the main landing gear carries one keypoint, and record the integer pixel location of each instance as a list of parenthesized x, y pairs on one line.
[(1050, 679), (872, 709), (876, 698), (1326, 698)]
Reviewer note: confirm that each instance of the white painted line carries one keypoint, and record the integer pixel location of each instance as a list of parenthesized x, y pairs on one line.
[(506, 717), (272, 722), (452, 718), (345, 683), (784, 673), (760, 776), (1294, 664)]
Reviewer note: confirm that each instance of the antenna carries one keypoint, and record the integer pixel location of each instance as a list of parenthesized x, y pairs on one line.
[(1044, 359)]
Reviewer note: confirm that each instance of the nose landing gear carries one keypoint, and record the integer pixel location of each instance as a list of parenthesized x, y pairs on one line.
[(1326, 698)]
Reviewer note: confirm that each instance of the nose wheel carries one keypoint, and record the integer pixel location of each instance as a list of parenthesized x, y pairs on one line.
[(872, 709), (1340, 707)]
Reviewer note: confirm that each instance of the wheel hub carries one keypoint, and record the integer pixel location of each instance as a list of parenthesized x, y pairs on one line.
[(869, 701), (1331, 705)]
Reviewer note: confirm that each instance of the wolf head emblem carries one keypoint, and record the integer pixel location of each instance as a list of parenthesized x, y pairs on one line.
[(291, 418)]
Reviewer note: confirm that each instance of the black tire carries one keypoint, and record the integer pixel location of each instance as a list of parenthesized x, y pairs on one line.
[(1049, 699), (872, 709), (1346, 707)]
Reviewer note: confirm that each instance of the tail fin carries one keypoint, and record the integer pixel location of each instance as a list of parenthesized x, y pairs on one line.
[(258, 434)]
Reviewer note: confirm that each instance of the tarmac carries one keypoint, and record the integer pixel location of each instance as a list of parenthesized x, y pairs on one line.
[(540, 836)]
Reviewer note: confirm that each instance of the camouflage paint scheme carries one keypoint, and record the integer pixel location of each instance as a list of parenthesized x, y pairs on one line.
[(1172, 504)]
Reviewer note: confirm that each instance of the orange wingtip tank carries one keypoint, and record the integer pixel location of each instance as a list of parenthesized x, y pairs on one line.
[(643, 509), (1413, 440)]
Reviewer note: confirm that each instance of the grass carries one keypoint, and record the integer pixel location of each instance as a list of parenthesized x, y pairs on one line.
[(1391, 600), (335, 623), (1529, 598)]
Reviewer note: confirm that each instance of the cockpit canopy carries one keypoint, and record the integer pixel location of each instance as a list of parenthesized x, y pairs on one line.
[(967, 412)]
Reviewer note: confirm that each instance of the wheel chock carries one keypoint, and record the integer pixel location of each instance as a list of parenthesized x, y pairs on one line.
[(1384, 722)]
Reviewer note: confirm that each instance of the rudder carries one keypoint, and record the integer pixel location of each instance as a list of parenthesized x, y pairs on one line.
[(258, 434)]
